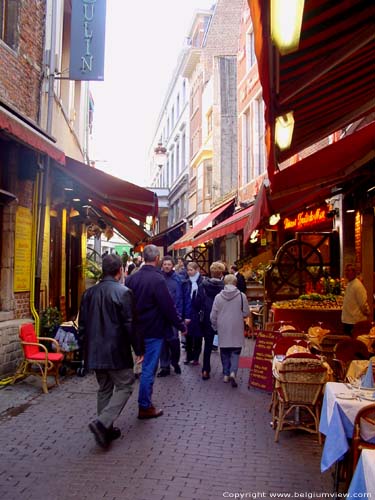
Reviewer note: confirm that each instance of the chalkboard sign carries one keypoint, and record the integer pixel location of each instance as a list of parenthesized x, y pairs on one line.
[(261, 366)]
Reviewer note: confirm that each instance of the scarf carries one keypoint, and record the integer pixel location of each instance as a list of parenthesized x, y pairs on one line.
[(194, 285)]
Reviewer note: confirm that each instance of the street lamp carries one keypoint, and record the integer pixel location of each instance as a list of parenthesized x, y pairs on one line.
[(284, 130), (286, 22)]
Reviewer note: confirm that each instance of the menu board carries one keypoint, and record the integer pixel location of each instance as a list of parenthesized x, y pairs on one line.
[(261, 366), (22, 250)]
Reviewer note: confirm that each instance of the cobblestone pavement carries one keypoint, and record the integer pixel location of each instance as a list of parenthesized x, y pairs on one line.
[(213, 441)]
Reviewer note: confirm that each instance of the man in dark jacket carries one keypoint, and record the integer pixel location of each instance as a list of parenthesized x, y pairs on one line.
[(170, 352), (155, 313), (106, 325), (241, 282)]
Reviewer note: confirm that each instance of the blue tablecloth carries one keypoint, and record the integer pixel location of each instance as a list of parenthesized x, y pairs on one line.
[(337, 422), (363, 480)]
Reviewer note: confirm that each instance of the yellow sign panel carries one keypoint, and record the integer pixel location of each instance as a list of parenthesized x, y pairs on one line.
[(22, 250)]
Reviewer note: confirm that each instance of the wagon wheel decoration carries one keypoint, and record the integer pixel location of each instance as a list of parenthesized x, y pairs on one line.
[(199, 257), (299, 262)]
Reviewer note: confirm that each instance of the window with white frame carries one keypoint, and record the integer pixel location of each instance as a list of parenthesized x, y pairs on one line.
[(246, 147), (183, 92), (258, 136), (173, 175), (183, 150), (177, 106), (200, 185), (250, 50), (177, 158), (9, 22)]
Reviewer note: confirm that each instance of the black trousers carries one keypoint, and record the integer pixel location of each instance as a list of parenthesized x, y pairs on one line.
[(170, 351), (193, 347)]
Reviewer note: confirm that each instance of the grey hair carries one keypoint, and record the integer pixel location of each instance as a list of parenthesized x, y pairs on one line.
[(150, 253), (230, 279)]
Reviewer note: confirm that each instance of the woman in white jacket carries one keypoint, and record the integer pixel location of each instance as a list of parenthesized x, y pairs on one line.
[(229, 309)]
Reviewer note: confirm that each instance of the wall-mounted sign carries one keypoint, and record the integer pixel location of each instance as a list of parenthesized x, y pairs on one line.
[(22, 250), (306, 219), (87, 40)]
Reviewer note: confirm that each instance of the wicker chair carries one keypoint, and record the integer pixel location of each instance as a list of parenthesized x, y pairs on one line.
[(36, 354), (299, 389), (344, 352), (281, 347), (364, 423)]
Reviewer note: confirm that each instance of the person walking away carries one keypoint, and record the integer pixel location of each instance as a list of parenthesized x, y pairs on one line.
[(170, 351), (229, 309), (355, 306), (241, 282), (106, 326), (155, 313), (210, 288)]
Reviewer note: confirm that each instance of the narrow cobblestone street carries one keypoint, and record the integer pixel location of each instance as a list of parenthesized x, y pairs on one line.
[(213, 441)]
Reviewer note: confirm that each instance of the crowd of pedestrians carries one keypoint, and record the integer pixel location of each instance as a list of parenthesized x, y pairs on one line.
[(142, 318)]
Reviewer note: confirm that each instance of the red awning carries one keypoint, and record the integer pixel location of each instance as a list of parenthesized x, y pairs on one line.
[(22, 132), (120, 221), (187, 239), (261, 210), (228, 226), (328, 82), (104, 189), (312, 178)]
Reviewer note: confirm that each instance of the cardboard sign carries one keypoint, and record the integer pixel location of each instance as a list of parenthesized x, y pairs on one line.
[(261, 367)]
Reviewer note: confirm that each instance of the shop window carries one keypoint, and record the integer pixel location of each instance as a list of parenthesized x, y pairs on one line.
[(9, 22)]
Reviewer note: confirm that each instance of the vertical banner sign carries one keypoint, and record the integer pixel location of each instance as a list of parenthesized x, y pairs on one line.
[(87, 40), (22, 250)]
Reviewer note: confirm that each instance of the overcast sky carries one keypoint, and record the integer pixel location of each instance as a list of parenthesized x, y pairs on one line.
[(143, 41)]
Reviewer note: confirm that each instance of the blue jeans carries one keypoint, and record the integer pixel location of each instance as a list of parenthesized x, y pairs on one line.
[(149, 367), (229, 359)]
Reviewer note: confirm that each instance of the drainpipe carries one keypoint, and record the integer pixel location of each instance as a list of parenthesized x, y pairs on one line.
[(47, 160)]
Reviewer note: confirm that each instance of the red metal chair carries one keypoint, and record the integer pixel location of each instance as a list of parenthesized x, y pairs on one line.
[(36, 354)]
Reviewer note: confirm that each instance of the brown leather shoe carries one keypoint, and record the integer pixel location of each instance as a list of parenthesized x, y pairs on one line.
[(150, 412)]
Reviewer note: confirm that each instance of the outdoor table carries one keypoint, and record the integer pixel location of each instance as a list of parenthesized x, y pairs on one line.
[(340, 407), (363, 480)]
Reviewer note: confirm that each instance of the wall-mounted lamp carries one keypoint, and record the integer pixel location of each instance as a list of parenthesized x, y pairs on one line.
[(274, 219), (286, 22), (254, 236), (284, 127), (73, 213), (332, 213)]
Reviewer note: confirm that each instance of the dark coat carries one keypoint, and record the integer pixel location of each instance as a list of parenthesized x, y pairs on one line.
[(194, 307), (241, 283), (155, 309), (210, 288), (106, 325)]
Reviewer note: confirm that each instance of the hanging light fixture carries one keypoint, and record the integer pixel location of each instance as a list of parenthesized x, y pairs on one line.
[(286, 22), (284, 127)]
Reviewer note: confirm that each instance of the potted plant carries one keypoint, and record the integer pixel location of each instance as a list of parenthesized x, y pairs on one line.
[(50, 320)]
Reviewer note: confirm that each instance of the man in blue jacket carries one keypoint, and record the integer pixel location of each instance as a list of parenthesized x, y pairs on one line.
[(106, 326), (170, 352), (155, 313)]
